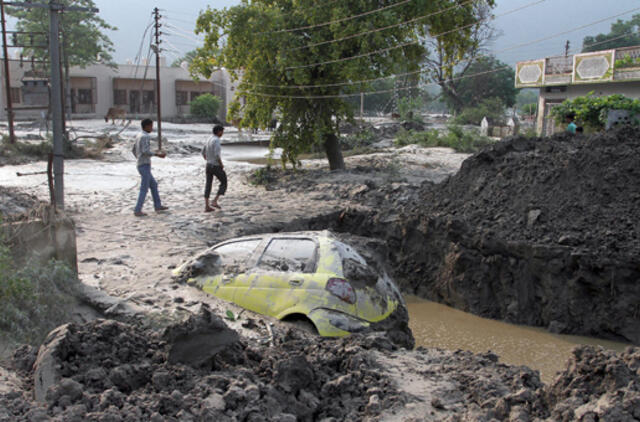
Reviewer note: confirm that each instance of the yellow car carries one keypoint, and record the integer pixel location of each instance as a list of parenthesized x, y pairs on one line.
[(305, 275)]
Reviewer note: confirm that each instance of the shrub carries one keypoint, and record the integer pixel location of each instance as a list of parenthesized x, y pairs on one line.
[(34, 300), (361, 139), (409, 109), (592, 112), (491, 108), (205, 106), (455, 137)]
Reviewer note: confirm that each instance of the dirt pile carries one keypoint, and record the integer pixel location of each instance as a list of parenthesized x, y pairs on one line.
[(108, 370)]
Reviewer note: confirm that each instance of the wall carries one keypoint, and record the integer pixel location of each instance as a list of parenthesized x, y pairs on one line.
[(104, 76)]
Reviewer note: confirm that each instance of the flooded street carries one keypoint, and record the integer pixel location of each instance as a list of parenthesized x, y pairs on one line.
[(436, 325)]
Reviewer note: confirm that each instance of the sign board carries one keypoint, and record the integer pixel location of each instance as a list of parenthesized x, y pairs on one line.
[(593, 67), (530, 73)]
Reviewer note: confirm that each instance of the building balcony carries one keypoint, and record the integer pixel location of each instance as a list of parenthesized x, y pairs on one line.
[(619, 65)]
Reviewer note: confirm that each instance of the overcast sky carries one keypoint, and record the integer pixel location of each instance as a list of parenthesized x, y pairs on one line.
[(547, 18)]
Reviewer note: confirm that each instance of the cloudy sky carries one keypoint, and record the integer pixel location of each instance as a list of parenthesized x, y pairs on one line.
[(542, 19)]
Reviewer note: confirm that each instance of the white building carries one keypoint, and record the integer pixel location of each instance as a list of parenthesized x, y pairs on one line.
[(561, 78), (97, 88)]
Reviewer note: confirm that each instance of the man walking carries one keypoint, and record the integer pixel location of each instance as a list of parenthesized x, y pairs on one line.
[(211, 153), (142, 151)]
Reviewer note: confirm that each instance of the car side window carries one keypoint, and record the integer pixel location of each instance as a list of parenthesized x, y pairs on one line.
[(291, 255)]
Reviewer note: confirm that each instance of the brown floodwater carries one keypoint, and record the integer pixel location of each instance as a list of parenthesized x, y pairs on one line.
[(436, 325)]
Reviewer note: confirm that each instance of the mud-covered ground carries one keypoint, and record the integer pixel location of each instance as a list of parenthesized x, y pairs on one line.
[(489, 240)]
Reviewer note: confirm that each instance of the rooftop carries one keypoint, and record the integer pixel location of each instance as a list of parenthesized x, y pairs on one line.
[(618, 65)]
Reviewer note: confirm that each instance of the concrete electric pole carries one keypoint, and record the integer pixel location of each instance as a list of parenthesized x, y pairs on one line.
[(156, 16)]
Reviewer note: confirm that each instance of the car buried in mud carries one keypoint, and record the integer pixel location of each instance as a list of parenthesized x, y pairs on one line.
[(305, 276)]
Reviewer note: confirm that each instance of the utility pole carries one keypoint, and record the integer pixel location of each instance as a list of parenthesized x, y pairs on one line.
[(56, 102), (156, 16), (55, 8), (7, 79)]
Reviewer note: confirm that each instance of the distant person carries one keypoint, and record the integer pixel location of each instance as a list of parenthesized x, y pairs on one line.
[(571, 125), (211, 151), (142, 151)]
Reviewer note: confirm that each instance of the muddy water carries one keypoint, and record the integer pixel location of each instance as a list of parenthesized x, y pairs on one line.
[(436, 325)]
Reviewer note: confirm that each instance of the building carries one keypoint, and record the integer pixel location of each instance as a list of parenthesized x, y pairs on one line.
[(96, 88), (561, 78)]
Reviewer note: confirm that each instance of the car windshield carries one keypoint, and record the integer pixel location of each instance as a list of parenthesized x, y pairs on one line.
[(234, 255), (289, 254)]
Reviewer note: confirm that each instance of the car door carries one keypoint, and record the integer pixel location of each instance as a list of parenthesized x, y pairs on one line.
[(281, 277), (217, 271)]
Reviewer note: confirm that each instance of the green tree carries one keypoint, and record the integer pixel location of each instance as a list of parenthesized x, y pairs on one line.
[(487, 77), (446, 63), (622, 34), (205, 106), (188, 57), (255, 41), (83, 39)]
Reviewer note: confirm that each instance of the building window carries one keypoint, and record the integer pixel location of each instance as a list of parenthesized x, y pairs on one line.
[(119, 96), (148, 97), (181, 98), (85, 96), (195, 94), (15, 95)]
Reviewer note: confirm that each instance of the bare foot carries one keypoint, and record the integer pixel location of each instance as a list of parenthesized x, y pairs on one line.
[(208, 209), (216, 206)]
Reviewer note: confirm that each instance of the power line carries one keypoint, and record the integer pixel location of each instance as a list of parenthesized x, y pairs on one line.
[(384, 50), (419, 71), (348, 18), (384, 28)]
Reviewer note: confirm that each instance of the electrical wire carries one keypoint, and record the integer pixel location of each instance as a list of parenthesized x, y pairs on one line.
[(421, 71), (384, 28), (348, 18), (384, 50)]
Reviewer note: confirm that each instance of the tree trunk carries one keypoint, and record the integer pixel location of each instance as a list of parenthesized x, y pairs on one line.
[(334, 153)]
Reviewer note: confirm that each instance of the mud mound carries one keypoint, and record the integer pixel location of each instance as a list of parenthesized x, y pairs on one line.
[(106, 370), (567, 190), (598, 385)]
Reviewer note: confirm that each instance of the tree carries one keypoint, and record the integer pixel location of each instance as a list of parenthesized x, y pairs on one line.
[(84, 42), (444, 59), (259, 45), (188, 57), (205, 106), (622, 34), (487, 77)]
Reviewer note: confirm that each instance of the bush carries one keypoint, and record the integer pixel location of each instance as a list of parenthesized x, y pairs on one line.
[(205, 106), (409, 109), (34, 300), (491, 108), (592, 112), (361, 139), (455, 137)]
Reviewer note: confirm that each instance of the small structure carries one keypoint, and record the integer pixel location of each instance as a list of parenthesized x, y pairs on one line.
[(561, 78)]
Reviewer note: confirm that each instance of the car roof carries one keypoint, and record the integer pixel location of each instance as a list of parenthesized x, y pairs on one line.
[(318, 234)]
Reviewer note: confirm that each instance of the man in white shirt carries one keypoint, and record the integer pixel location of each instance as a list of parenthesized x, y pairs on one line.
[(142, 151), (211, 151)]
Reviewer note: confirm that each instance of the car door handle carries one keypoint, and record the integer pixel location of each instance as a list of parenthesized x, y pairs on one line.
[(295, 282), (226, 279)]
